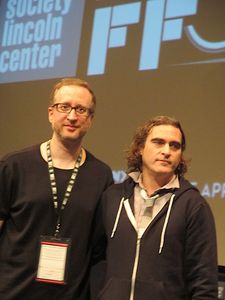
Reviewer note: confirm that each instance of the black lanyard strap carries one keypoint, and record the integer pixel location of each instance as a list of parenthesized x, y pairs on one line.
[(54, 188)]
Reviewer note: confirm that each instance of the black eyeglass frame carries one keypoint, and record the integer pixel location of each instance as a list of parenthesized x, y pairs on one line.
[(78, 109)]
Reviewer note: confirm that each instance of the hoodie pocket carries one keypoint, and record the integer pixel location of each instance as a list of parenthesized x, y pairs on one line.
[(116, 289), (154, 290)]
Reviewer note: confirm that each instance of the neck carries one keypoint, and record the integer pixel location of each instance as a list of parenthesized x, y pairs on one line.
[(63, 155), (65, 149), (153, 183)]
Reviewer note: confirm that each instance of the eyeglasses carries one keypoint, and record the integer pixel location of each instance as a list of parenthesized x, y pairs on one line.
[(67, 108)]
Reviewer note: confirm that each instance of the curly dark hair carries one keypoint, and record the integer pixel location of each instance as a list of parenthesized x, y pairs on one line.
[(134, 158)]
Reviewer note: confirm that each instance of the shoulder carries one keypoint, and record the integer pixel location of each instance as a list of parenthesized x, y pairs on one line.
[(188, 190), (96, 164), (19, 154), (189, 196), (124, 189), (20, 157), (95, 172)]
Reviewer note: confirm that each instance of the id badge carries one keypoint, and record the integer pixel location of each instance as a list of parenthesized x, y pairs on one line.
[(53, 260)]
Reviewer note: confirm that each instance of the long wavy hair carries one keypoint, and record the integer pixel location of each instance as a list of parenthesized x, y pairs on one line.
[(134, 157)]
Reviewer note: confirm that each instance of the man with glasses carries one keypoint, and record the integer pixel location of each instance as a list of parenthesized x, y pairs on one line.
[(51, 231)]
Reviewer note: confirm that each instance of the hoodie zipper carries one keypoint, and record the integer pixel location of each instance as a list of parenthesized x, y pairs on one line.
[(138, 242), (134, 273)]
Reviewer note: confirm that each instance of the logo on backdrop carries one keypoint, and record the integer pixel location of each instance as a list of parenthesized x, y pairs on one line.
[(39, 39), (163, 21)]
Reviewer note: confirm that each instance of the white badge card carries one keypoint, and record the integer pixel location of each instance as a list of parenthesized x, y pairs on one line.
[(53, 260)]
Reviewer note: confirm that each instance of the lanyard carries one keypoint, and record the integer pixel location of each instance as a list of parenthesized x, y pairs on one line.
[(54, 188)]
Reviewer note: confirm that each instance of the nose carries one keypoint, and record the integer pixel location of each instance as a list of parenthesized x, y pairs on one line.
[(166, 149), (72, 115)]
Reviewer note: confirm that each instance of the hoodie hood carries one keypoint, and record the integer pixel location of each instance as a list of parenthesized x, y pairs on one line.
[(128, 191), (129, 184)]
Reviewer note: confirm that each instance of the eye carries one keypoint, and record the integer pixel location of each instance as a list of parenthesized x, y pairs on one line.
[(175, 145), (64, 107), (158, 142), (81, 110)]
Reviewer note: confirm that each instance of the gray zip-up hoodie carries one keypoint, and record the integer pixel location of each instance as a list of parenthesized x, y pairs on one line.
[(176, 257)]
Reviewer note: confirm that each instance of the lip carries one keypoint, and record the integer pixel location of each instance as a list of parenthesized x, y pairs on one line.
[(71, 127), (165, 161)]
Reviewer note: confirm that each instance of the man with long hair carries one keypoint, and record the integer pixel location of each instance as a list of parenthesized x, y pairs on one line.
[(160, 230)]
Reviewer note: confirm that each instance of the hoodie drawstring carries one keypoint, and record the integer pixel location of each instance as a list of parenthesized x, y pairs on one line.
[(162, 238), (117, 217), (165, 224)]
